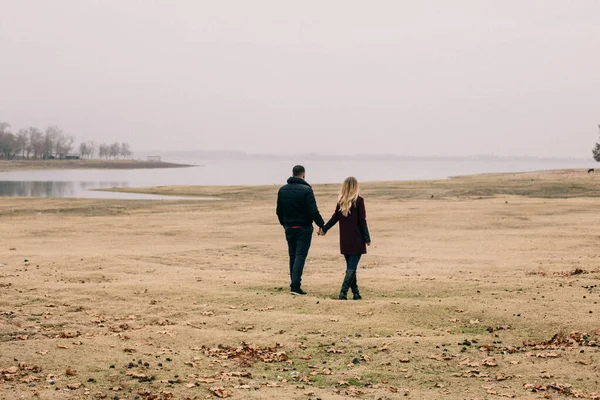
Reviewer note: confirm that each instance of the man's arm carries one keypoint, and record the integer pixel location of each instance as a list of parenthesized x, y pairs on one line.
[(314, 210), (279, 209)]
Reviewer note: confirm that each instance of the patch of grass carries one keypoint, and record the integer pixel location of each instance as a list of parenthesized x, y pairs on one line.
[(356, 382)]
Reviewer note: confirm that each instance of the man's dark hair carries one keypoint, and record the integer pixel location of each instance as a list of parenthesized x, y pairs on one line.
[(298, 170)]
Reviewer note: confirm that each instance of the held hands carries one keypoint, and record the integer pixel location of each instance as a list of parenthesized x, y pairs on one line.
[(321, 232)]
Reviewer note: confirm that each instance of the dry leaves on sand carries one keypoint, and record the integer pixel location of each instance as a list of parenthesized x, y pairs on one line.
[(563, 389), (248, 353), (559, 340), (333, 350), (220, 392), (246, 328), (488, 362), (441, 357)]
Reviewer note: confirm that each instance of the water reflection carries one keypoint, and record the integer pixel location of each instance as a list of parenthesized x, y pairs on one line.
[(77, 189), (53, 189)]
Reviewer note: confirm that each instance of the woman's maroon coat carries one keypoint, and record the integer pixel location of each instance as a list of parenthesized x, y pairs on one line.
[(354, 233)]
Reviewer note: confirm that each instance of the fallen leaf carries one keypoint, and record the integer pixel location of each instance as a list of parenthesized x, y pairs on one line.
[(74, 386), (220, 392), (489, 362), (245, 387), (333, 350)]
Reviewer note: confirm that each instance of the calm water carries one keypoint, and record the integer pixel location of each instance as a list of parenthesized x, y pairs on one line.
[(79, 183)]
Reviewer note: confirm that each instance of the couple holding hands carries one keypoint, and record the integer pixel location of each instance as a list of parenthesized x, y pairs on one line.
[(297, 209)]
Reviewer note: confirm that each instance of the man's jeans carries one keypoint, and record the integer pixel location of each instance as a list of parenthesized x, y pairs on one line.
[(298, 240), (350, 278)]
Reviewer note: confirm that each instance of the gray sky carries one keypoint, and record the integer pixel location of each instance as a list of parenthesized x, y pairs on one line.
[(458, 77)]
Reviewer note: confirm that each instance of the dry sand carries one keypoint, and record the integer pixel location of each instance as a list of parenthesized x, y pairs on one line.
[(462, 294)]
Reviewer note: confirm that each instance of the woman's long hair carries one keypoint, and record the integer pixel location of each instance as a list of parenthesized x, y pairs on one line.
[(348, 195)]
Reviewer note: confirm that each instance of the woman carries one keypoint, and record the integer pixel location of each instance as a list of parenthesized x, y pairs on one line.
[(354, 234)]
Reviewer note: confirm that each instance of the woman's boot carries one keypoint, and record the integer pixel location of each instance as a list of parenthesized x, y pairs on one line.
[(354, 286), (350, 275)]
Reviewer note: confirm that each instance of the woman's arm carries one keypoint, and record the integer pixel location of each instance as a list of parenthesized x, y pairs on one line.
[(362, 221), (334, 219)]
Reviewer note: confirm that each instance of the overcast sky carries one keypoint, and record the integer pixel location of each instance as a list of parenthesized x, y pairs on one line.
[(459, 77)]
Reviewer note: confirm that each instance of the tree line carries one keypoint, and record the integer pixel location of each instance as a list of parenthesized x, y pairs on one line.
[(33, 143)]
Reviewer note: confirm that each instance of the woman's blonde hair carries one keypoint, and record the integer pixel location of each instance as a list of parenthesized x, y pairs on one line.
[(348, 195)]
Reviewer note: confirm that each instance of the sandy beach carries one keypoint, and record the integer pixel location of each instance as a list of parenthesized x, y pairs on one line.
[(480, 287), (19, 165)]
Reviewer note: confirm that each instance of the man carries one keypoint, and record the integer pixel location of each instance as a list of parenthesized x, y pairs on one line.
[(296, 210)]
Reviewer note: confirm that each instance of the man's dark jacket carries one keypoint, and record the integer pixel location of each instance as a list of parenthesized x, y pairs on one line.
[(296, 204)]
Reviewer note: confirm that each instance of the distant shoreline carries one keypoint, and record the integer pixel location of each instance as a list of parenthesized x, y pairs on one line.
[(548, 184), (23, 165)]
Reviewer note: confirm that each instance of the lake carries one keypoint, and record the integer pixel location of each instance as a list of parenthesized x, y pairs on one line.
[(81, 182)]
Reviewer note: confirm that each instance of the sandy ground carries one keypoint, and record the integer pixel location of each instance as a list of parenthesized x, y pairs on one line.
[(464, 293), (18, 165)]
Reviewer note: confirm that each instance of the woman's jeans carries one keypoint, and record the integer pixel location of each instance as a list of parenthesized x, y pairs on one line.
[(350, 278)]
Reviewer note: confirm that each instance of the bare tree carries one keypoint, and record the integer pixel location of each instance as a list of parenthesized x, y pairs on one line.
[(8, 145), (66, 145), (63, 144), (36, 142), (22, 142), (596, 150), (83, 149), (125, 150), (115, 150), (26, 139), (92, 148), (4, 128), (50, 139), (4, 132), (104, 150), (87, 149), (8, 142)]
